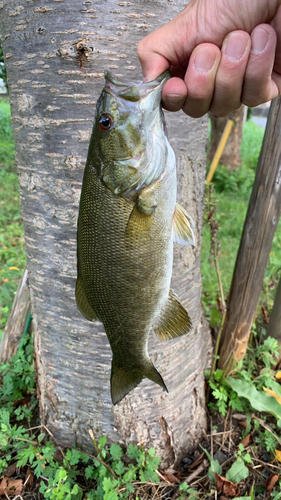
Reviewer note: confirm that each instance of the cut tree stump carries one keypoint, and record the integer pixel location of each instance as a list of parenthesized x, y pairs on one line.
[(17, 320), (259, 228)]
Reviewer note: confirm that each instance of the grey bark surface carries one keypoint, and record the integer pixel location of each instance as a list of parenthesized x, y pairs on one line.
[(55, 53), (259, 228)]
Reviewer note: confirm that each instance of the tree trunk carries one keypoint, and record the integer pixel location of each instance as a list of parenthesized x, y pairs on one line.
[(230, 157), (259, 228), (55, 54)]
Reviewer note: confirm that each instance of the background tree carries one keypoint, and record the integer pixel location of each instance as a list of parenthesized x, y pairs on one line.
[(231, 156), (55, 54)]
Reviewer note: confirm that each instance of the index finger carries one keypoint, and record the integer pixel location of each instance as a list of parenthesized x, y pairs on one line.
[(153, 63), (170, 45)]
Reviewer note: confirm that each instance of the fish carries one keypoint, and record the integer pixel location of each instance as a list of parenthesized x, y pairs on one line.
[(127, 223)]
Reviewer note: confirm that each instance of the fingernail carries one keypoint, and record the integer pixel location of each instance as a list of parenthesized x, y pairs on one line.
[(204, 60), (175, 98), (259, 41), (235, 46)]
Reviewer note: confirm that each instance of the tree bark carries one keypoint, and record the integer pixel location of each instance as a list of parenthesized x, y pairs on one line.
[(259, 228), (231, 156), (55, 54)]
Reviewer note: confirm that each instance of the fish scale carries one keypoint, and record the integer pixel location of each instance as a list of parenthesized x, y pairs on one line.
[(128, 219)]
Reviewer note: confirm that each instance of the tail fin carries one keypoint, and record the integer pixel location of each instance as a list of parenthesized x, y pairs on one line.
[(123, 381)]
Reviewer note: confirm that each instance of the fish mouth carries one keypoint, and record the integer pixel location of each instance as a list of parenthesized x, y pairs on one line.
[(166, 75), (135, 91), (163, 78)]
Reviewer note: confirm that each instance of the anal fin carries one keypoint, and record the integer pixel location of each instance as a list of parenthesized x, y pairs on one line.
[(174, 320), (182, 227), (82, 302)]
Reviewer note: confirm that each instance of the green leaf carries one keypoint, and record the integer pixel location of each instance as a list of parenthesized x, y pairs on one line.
[(38, 470), (215, 317), (237, 472), (102, 441), (75, 490), (218, 375), (108, 484), (130, 487), (75, 457), (119, 468), (133, 451), (130, 475), (116, 451), (247, 458), (259, 400), (193, 494), (112, 495), (62, 474), (214, 466), (89, 472), (183, 486)]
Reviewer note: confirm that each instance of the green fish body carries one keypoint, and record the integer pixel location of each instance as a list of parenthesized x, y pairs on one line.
[(128, 220)]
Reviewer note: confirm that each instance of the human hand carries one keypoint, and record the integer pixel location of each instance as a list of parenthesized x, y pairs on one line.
[(221, 53)]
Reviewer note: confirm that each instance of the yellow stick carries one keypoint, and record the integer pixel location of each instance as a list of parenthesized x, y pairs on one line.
[(220, 148)]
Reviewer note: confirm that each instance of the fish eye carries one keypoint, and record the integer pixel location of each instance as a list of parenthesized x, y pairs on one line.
[(105, 122)]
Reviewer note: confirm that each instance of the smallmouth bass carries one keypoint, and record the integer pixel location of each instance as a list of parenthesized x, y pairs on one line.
[(128, 220)]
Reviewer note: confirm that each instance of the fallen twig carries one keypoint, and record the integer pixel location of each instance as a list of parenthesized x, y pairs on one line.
[(197, 471)]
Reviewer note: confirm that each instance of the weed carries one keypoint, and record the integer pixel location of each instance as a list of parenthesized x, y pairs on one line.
[(18, 378), (254, 374), (223, 396), (267, 441), (112, 474)]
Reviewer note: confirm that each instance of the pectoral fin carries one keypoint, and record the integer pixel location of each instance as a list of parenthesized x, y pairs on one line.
[(82, 302), (182, 227), (174, 320), (141, 218)]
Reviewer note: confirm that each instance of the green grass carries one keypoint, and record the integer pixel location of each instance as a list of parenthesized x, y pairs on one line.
[(232, 191), (7, 148), (12, 255)]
